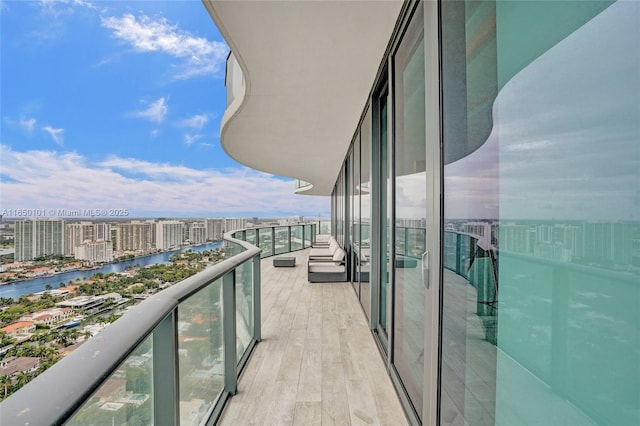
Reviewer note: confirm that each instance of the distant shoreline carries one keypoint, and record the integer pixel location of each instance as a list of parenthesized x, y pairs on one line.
[(84, 268)]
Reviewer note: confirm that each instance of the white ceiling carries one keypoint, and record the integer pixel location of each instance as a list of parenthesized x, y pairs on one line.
[(308, 68)]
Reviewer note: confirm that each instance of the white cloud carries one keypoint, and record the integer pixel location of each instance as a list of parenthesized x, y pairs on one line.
[(198, 121), (157, 170), (27, 123), (189, 139), (54, 180), (155, 112), (144, 34), (56, 8), (56, 134)]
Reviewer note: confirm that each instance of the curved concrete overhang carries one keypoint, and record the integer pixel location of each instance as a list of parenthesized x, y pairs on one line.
[(308, 68)]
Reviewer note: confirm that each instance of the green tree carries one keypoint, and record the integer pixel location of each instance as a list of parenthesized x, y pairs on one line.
[(22, 378), (5, 383), (73, 335), (63, 338)]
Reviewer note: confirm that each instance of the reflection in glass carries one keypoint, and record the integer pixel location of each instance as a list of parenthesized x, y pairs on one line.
[(231, 249), (307, 235), (124, 398), (410, 182), (296, 237), (266, 241), (200, 352), (282, 239), (244, 307), (250, 235), (541, 302), (354, 228), (364, 189)]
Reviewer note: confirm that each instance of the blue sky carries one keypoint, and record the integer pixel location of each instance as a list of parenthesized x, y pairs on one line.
[(117, 105)]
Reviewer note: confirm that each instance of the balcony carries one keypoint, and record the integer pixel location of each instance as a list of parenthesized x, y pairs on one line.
[(302, 186), (177, 357), (317, 362)]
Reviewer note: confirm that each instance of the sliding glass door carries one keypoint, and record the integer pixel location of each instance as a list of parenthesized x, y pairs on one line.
[(541, 136), (410, 210)]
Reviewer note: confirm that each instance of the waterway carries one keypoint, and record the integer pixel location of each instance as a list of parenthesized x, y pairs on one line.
[(20, 288)]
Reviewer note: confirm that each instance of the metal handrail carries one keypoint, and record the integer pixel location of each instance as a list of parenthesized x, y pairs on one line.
[(53, 397)]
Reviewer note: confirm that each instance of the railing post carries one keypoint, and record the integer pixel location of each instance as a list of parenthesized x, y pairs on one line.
[(303, 236), (257, 308), (314, 232), (257, 237), (458, 253), (273, 240), (229, 333), (289, 237), (406, 241), (165, 372)]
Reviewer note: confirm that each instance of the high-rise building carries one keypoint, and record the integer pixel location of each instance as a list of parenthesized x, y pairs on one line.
[(38, 237), (169, 234), (78, 233), (215, 229), (23, 240), (516, 238), (233, 224), (197, 233), (133, 237), (94, 251)]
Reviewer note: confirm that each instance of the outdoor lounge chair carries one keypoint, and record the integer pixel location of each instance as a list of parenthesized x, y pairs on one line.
[(323, 238), (324, 270), (327, 252), (324, 243)]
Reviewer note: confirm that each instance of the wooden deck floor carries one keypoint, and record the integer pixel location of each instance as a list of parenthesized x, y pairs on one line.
[(317, 363)]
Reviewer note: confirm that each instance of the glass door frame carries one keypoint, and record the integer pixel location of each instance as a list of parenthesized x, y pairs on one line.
[(435, 217), (381, 211), (379, 215)]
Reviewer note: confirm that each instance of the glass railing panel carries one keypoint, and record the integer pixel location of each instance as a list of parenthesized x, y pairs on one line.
[(124, 398), (244, 307), (449, 251), (301, 183), (296, 237), (266, 242), (282, 240), (250, 235), (465, 254), (231, 249), (325, 227), (415, 243), (200, 352), (400, 242)]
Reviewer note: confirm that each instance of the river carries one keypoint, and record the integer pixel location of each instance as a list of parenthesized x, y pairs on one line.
[(20, 288)]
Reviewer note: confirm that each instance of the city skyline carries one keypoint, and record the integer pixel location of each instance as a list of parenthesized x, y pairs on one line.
[(103, 107)]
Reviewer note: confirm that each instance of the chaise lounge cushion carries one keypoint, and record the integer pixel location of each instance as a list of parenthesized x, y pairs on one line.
[(325, 252), (328, 269), (325, 267), (338, 256)]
